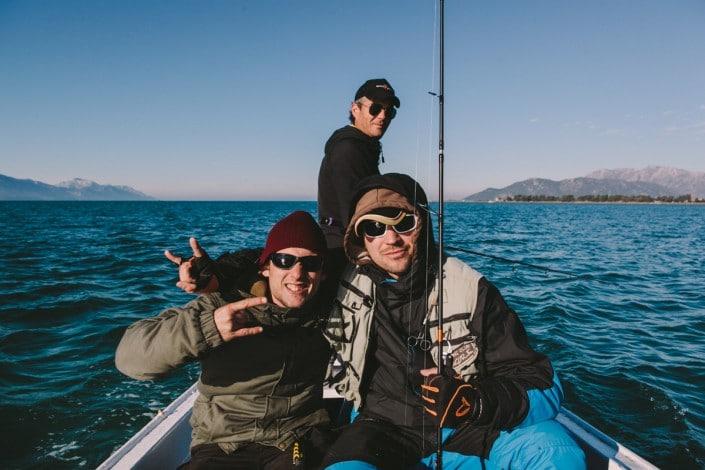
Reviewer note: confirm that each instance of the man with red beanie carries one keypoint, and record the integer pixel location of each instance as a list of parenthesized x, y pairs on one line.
[(263, 356)]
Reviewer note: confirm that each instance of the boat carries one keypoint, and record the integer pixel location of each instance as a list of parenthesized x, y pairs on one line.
[(164, 442)]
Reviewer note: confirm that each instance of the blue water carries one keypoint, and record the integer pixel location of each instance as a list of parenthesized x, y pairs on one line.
[(626, 334)]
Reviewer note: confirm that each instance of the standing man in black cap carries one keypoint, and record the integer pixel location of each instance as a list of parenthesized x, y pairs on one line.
[(352, 153)]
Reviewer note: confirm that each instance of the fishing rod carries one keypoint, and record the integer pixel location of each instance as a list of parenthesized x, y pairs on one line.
[(441, 95)]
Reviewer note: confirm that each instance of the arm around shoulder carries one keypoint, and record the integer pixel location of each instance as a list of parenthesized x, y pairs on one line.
[(151, 348)]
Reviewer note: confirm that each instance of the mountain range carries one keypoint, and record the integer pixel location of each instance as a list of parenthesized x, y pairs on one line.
[(651, 181), (77, 189)]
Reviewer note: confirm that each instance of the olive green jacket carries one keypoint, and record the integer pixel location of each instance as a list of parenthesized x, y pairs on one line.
[(265, 388)]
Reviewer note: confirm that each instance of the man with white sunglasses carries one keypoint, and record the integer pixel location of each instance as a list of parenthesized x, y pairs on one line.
[(496, 398), (262, 354)]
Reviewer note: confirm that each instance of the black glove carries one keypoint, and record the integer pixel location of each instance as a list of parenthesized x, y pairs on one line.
[(450, 401), (202, 269)]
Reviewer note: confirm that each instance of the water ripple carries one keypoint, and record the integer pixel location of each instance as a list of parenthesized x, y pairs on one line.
[(624, 332)]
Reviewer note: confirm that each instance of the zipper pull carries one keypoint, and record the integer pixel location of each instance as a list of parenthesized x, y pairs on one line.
[(297, 455)]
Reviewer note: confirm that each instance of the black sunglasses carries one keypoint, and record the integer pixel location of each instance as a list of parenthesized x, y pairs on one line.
[(286, 261), (375, 229), (389, 110)]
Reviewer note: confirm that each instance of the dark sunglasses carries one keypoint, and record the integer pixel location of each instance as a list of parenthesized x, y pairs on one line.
[(375, 229), (376, 108), (286, 261)]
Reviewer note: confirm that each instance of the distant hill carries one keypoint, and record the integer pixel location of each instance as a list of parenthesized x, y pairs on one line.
[(13, 189), (651, 181), (675, 179)]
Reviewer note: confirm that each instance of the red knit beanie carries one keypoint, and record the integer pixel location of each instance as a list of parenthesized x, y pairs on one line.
[(296, 230)]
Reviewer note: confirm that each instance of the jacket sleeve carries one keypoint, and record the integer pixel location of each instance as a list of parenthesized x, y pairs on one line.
[(347, 165), (515, 382), (151, 348)]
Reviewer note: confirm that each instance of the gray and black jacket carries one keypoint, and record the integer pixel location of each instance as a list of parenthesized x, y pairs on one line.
[(485, 337)]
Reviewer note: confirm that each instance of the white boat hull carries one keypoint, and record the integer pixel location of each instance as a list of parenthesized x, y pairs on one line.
[(165, 441)]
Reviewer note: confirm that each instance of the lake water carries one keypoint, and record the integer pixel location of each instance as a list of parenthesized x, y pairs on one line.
[(625, 332)]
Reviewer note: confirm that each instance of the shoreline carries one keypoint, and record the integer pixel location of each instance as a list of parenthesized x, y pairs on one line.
[(661, 203)]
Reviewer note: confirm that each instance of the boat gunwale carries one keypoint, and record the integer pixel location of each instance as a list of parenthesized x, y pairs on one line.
[(156, 430), (134, 452)]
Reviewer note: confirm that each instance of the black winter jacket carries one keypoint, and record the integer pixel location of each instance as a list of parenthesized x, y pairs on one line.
[(350, 155)]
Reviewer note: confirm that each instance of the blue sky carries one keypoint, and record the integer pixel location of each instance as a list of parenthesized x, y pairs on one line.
[(235, 99)]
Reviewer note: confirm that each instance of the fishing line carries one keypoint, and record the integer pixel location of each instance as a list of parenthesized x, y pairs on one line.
[(545, 269), (411, 351), (514, 261), (437, 35)]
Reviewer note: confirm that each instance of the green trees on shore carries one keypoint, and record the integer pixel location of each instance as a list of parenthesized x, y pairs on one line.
[(603, 198)]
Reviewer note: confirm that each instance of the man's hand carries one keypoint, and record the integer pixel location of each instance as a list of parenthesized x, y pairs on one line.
[(233, 320), (449, 400), (195, 273)]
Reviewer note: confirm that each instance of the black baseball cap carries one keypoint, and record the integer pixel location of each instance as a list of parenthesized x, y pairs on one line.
[(378, 90)]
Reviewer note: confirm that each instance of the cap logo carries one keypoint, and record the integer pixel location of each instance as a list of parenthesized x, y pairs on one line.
[(383, 86)]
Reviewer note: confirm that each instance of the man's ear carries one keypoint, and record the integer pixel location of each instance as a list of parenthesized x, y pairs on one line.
[(354, 109), (265, 271)]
